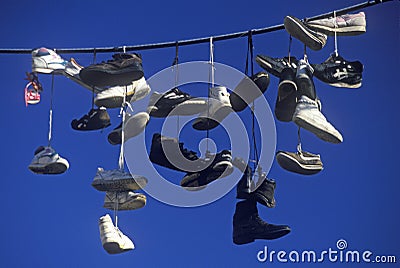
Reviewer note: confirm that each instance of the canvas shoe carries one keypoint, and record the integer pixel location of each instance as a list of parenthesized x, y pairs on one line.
[(47, 161), (219, 107), (96, 119), (175, 102), (134, 125), (348, 24), (275, 66), (46, 61), (117, 180), (304, 80), (112, 239), (113, 97), (122, 70), (249, 89), (127, 200), (297, 29), (248, 226), (300, 162), (286, 100), (308, 116), (338, 72)]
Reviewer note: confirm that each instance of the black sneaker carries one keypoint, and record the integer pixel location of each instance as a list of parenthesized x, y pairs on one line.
[(338, 72), (248, 226), (122, 70), (94, 120), (245, 92), (285, 104), (175, 101), (300, 31), (275, 66), (300, 162), (177, 157)]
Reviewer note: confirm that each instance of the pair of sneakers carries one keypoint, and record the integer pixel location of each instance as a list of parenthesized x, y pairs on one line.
[(48, 161), (112, 238)]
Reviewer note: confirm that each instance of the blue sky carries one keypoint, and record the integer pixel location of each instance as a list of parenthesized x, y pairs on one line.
[(51, 221)]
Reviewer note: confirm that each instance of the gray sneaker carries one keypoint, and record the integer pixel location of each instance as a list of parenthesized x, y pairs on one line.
[(300, 162), (127, 200), (348, 24), (308, 116)]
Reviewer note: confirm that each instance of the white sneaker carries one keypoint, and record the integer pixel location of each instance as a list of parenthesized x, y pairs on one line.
[(219, 107), (47, 61), (114, 96), (125, 200), (112, 239), (117, 180), (47, 161), (308, 116)]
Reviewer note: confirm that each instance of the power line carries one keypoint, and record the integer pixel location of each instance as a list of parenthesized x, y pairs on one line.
[(197, 40)]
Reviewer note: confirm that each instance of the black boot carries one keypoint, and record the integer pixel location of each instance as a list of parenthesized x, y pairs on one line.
[(264, 194), (248, 226)]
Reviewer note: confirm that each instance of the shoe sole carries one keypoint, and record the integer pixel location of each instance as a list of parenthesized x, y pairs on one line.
[(341, 31), (139, 202), (54, 168), (139, 182), (267, 66), (114, 248), (111, 102), (320, 133), (188, 107), (191, 182), (47, 71), (244, 239), (204, 123), (289, 163), (297, 30)]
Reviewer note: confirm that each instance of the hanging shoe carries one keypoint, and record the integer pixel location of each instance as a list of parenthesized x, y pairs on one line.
[(263, 193), (286, 100), (338, 72), (245, 92), (219, 107), (275, 66), (112, 239), (96, 119), (348, 24), (127, 200), (134, 125), (46, 61), (114, 96), (47, 161), (248, 226), (175, 102), (308, 116), (304, 80), (312, 39), (122, 70), (32, 96), (300, 162), (117, 180)]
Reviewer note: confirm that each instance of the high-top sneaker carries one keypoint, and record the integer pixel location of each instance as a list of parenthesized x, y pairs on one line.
[(286, 100), (47, 161), (248, 226), (219, 107), (47, 61), (112, 239), (127, 200), (96, 119)]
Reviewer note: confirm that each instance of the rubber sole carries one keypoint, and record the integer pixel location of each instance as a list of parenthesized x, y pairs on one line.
[(121, 185), (291, 164)]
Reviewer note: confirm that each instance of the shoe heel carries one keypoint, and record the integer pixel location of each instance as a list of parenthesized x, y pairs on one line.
[(241, 240)]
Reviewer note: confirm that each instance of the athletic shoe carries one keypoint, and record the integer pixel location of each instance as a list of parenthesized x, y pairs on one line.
[(127, 200), (117, 180), (170, 153), (304, 80), (275, 66), (264, 193), (300, 162), (134, 125), (112, 239), (308, 116), (72, 70), (248, 226), (122, 70), (219, 107), (348, 24), (175, 102), (113, 97), (286, 100), (46, 61), (249, 89), (338, 72), (300, 31), (94, 120), (47, 161)]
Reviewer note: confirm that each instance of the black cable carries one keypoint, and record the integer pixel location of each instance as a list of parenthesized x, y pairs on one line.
[(197, 40)]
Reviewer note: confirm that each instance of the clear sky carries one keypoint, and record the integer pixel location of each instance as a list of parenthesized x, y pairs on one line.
[(52, 221)]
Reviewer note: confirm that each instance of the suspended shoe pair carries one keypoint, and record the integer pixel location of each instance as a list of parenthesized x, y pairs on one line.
[(48, 161)]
